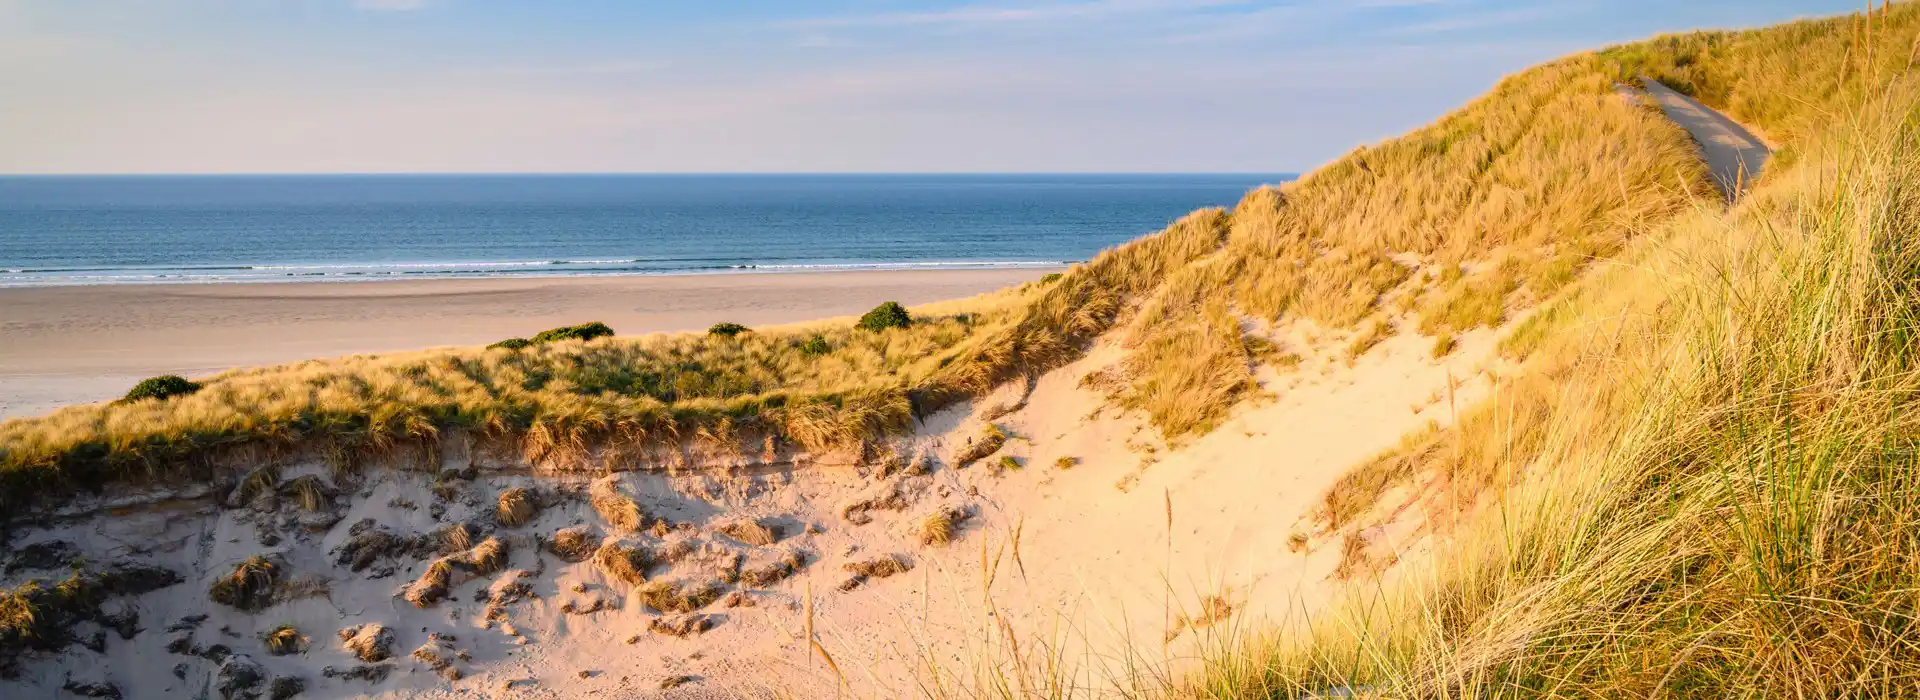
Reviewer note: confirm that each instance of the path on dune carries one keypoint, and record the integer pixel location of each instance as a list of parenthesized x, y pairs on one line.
[(1733, 153)]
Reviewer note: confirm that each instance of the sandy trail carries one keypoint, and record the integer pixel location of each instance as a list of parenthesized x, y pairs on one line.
[(1734, 153), (66, 345)]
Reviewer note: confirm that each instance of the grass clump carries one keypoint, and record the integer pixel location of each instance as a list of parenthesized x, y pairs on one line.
[(251, 586), (1064, 463), (938, 528), (667, 597), (583, 332), (754, 532), (432, 585), (161, 388), (285, 640), (38, 617), (727, 330), (485, 558), (880, 567), (515, 508), (620, 511), (371, 643), (887, 315), (573, 544), (624, 563), (311, 493)]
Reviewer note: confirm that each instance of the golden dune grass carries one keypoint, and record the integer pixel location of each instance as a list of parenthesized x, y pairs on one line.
[(1703, 482)]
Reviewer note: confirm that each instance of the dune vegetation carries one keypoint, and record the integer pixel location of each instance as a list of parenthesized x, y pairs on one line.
[(1701, 481), (549, 399)]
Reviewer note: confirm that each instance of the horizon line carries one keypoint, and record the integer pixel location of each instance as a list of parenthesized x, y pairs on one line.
[(647, 173)]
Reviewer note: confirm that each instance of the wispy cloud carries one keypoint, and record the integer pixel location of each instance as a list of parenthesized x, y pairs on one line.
[(392, 5)]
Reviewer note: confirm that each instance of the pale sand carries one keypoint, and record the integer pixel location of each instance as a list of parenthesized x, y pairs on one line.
[(65, 345), (1098, 573)]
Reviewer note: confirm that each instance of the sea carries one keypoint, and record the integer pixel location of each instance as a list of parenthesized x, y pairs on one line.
[(81, 230)]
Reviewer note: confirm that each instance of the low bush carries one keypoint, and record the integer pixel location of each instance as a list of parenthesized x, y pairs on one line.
[(816, 345), (728, 330), (584, 331), (511, 344), (162, 388), (884, 316)]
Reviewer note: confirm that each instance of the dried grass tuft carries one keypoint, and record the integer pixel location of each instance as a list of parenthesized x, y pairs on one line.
[(620, 511), (285, 640), (754, 532), (623, 563), (938, 528), (515, 508), (251, 586), (573, 544), (679, 597)]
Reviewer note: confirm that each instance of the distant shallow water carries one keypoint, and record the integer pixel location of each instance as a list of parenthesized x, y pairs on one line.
[(206, 229)]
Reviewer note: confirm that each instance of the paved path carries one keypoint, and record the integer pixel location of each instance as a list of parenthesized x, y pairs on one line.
[(1732, 152)]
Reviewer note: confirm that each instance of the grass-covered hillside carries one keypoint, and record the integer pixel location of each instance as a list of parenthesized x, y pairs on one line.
[(1705, 479)]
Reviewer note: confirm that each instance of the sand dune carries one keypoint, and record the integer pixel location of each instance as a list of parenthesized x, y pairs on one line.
[(1079, 558)]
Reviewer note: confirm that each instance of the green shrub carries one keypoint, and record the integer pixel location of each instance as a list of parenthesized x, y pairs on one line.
[(884, 316), (584, 331), (728, 330), (1051, 278), (816, 345), (511, 344), (162, 388)]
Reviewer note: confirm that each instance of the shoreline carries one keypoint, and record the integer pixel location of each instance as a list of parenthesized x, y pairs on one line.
[(504, 271), (70, 344)]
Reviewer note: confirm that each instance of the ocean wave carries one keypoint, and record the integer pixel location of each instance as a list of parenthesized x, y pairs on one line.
[(906, 265), (349, 272)]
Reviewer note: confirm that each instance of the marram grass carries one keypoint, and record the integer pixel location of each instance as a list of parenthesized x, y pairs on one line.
[(1705, 480)]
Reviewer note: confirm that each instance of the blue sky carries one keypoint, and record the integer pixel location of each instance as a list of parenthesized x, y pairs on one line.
[(101, 86)]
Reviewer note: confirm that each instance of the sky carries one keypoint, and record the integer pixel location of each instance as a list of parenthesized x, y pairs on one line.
[(286, 86)]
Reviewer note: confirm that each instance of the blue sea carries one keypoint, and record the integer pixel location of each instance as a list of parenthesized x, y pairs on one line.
[(143, 229)]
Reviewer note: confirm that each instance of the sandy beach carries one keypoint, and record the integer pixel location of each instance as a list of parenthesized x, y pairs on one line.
[(77, 344)]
